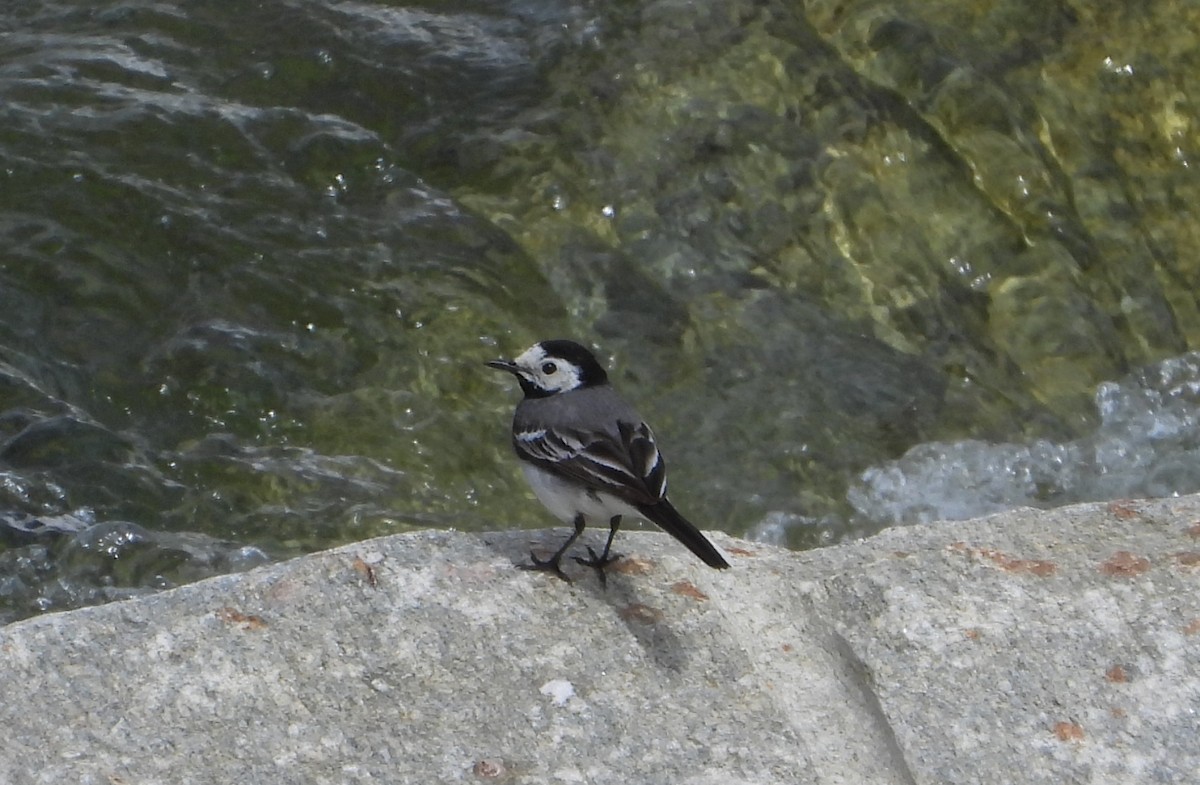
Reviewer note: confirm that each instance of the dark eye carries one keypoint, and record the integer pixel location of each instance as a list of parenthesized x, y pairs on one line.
[(549, 368)]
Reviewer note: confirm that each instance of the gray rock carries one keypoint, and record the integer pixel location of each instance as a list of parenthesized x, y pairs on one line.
[(1033, 647)]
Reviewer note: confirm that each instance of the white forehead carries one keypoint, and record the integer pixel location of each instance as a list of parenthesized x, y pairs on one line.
[(531, 357)]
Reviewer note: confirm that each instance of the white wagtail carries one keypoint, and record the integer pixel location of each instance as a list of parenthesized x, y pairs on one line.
[(588, 455)]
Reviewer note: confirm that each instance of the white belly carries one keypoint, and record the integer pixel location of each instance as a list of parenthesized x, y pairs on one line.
[(565, 500)]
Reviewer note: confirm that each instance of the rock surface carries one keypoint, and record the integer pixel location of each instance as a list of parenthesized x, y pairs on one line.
[(1032, 646)]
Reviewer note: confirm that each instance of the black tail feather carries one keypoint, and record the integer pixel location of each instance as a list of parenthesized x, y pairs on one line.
[(666, 517)]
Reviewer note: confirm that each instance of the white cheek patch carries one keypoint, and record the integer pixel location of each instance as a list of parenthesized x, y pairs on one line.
[(566, 378)]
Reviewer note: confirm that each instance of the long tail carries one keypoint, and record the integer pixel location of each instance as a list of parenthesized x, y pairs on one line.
[(666, 517)]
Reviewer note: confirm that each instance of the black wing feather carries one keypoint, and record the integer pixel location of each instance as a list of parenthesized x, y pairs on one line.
[(626, 464)]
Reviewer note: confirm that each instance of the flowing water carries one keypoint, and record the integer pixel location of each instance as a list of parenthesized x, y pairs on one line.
[(858, 264)]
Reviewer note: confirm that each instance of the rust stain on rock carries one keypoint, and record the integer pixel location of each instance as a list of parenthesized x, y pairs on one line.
[(1124, 509), (249, 621), (1124, 564), (1116, 674), (365, 572), (632, 565), (1068, 731), (688, 589), (1187, 558), (1038, 567)]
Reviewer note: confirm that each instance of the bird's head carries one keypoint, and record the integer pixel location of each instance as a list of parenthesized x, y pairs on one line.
[(553, 367)]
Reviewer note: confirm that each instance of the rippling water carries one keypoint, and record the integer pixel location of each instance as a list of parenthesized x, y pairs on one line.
[(254, 253)]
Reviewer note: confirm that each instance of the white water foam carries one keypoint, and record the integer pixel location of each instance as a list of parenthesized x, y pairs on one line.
[(1147, 445)]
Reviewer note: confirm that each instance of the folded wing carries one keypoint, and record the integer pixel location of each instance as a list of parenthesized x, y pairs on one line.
[(626, 463)]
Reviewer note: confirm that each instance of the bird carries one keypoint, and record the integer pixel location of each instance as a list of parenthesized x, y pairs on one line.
[(588, 455)]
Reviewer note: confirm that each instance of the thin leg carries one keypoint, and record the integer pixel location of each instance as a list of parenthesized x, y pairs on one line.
[(551, 564), (603, 560)]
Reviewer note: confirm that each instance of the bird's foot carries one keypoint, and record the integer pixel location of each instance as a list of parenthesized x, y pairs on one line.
[(599, 563), (545, 565)]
